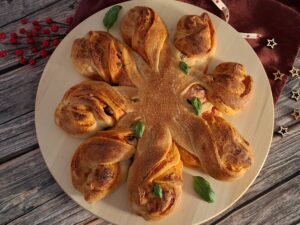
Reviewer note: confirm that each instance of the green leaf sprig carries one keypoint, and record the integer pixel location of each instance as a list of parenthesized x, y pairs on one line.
[(111, 16), (184, 67), (138, 129), (157, 190), (197, 105), (204, 190)]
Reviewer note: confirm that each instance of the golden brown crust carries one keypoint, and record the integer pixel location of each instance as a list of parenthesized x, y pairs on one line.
[(145, 32), (229, 88), (82, 59), (100, 56), (206, 142), (195, 38), (100, 163), (88, 107), (156, 163), (223, 153), (189, 159)]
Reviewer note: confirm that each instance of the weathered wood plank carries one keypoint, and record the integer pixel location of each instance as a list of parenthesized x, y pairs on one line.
[(58, 10), (280, 206), (18, 90), (17, 9), (61, 210), (17, 137), (25, 183)]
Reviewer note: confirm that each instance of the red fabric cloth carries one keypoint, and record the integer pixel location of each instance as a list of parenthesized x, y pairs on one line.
[(273, 19)]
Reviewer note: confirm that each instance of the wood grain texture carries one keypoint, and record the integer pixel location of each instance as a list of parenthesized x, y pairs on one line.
[(279, 206), (25, 183), (17, 136)]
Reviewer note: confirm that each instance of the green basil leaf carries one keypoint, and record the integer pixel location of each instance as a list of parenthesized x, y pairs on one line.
[(197, 105), (138, 129), (111, 16), (202, 187), (184, 67), (158, 190)]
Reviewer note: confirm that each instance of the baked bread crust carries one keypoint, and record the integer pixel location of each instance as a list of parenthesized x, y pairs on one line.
[(100, 163), (88, 107), (144, 31), (154, 90), (195, 39), (100, 56)]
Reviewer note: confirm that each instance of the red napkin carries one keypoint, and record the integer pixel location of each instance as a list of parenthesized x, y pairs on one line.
[(272, 19)]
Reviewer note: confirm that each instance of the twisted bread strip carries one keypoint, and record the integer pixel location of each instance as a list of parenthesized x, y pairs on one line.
[(195, 38), (88, 107), (213, 145), (229, 87), (157, 162), (101, 162), (100, 56), (145, 32)]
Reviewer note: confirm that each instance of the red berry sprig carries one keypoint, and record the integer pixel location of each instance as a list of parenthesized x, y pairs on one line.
[(36, 39)]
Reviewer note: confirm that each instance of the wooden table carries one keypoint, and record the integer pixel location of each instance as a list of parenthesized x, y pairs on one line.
[(29, 194)]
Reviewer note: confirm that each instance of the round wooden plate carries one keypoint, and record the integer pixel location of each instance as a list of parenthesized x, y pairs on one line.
[(255, 122)]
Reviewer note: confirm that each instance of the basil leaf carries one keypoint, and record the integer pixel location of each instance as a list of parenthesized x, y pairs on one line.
[(197, 105), (111, 16), (138, 129), (202, 187), (184, 67), (157, 190)]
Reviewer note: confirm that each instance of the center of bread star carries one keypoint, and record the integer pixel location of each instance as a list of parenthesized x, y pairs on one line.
[(159, 98)]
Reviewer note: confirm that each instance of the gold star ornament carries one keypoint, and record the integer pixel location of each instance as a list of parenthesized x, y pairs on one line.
[(296, 114), (296, 95), (283, 131), (278, 75), (271, 43), (294, 72)]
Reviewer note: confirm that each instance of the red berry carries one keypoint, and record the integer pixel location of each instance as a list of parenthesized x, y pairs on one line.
[(29, 34), (46, 43), (24, 21), (34, 49), (54, 28), (43, 53), (13, 35), (19, 52), (30, 41), (3, 54), (35, 23), (32, 61), (46, 31), (22, 61), (49, 20), (37, 28), (69, 20), (56, 42), (13, 40), (2, 35), (22, 30), (34, 33)]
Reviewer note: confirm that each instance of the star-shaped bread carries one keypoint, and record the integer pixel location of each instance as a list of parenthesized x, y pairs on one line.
[(151, 113), (271, 43)]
